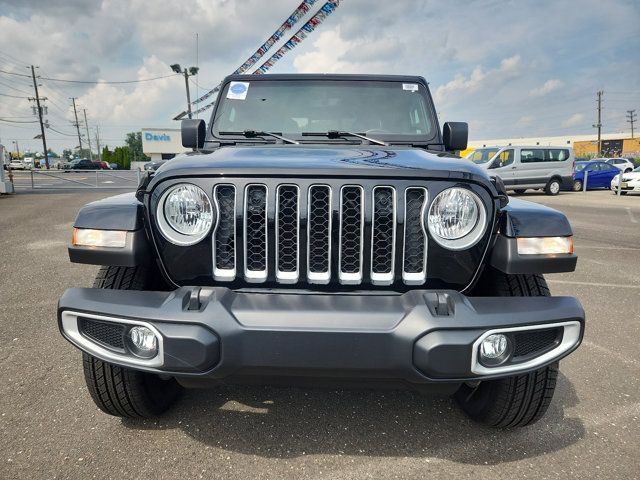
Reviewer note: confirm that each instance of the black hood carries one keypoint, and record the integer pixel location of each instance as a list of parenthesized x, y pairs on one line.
[(321, 161)]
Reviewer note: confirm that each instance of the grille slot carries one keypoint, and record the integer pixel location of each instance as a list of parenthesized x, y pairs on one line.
[(415, 240), (383, 235), (225, 235), (351, 230), (319, 234), (535, 342), (255, 233), (287, 228), (110, 335)]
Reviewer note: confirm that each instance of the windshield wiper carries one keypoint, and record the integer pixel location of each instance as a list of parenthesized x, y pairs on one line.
[(258, 133), (338, 134)]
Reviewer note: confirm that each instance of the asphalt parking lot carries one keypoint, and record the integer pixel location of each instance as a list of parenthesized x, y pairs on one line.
[(49, 427)]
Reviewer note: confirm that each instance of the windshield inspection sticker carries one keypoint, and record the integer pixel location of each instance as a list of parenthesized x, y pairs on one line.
[(238, 90), (412, 87)]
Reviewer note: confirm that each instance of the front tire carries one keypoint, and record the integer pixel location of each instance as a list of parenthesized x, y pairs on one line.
[(518, 400), (520, 191), (119, 391), (577, 185)]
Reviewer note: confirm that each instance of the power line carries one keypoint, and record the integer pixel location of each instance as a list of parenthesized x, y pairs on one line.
[(62, 133), (111, 82), (17, 121), (12, 96), (13, 88)]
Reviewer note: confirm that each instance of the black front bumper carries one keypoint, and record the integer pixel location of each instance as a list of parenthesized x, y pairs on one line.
[(420, 336)]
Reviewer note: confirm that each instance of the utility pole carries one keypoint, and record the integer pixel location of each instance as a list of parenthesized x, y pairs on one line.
[(86, 125), (37, 99), (77, 125), (631, 114), (599, 124), (98, 142)]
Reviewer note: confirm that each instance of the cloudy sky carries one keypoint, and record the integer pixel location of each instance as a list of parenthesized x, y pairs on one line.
[(509, 68)]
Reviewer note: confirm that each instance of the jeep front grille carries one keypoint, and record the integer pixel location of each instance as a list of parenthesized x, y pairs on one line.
[(287, 234)]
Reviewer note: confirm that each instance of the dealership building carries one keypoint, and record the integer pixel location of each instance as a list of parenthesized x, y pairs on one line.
[(160, 144)]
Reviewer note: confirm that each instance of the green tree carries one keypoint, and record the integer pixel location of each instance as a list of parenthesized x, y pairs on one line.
[(67, 153), (107, 155), (134, 144)]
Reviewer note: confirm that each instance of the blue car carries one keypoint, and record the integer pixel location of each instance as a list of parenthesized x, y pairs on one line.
[(599, 175)]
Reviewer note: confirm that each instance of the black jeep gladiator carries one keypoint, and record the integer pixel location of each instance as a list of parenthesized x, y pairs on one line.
[(323, 230)]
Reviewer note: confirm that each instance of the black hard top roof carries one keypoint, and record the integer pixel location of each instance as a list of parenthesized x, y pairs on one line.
[(325, 76)]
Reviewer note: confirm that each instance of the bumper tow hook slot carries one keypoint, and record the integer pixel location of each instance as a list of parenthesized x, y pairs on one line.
[(438, 303), (194, 299)]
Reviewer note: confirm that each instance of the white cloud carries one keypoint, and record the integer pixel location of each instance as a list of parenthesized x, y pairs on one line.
[(525, 120), (490, 63), (479, 79), (118, 104), (573, 120), (548, 87)]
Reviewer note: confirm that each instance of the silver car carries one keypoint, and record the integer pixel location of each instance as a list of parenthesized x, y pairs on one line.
[(524, 167)]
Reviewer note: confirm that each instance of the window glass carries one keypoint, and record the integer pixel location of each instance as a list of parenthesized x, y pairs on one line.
[(386, 109), (557, 154), (506, 158), (532, 156), (481, 155)]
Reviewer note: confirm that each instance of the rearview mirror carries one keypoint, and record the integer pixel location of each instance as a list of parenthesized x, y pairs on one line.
[(193, 133), (455, 136)]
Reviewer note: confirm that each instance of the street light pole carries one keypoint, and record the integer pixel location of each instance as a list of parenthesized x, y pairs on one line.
[(186, 84), (187, 72)]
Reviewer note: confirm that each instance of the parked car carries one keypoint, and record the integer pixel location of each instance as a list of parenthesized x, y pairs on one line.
[(114, 166), (521, 168), (630, 182), (599, 174), (65, 164), (102, 165), (372, 256), (85, 164), (153, 166), (623, 164), (17, 164)]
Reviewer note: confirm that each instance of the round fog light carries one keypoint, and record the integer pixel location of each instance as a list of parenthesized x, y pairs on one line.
[(143, 342), (494, 349)]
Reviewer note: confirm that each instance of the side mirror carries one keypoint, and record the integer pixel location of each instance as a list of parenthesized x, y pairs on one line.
[(495, 163), (455, 136), (193, 133)]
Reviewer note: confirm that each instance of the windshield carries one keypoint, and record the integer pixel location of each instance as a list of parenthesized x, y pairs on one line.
[(482, 155), (382, 109), (580, 166)]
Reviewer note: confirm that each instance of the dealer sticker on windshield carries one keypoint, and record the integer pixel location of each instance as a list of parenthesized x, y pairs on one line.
[(238, 90), (412, 87)]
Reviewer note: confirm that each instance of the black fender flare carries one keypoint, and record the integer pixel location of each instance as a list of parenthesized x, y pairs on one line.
[(121, 212)]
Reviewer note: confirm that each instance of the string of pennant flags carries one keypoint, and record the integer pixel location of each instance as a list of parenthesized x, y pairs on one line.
[(325, 10)]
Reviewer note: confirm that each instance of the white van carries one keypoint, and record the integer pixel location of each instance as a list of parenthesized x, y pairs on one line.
[(521, 168)]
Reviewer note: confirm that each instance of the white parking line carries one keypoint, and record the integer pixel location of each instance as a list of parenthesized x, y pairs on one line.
[(631, 217), (610, 353), (598, 247), (594, 284)]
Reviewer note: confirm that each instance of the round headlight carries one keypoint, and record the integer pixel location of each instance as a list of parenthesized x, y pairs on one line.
[(456, 218), (185, 214)]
